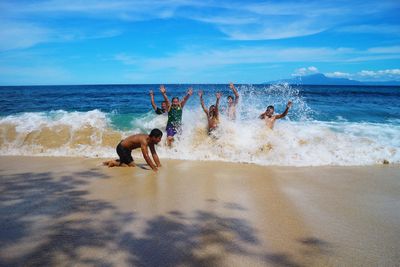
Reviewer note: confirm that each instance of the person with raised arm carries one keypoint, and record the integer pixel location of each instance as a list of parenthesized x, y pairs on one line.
[(212, 113), (158, 111), (232, 102), (144, 141), (174, 124), (269, 116)]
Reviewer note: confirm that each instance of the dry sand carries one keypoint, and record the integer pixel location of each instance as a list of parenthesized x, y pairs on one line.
[(73, 212)]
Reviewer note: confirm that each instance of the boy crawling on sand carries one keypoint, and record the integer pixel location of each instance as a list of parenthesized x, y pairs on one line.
[(125, 147)]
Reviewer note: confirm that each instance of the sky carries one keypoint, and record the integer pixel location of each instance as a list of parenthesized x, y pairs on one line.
[(190, 41)]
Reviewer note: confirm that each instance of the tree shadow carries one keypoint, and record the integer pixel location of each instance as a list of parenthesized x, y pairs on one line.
[(179, 239), (31, 203), (47, 219), (315, 246), (234, 206)]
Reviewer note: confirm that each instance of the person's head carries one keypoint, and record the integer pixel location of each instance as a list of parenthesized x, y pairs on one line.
[(212, 110), (230, 99), (270, 111), (164, 105), (155, 136), (175, 101)]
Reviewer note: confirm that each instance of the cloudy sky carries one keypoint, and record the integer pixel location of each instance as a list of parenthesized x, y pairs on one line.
[(190, 41)]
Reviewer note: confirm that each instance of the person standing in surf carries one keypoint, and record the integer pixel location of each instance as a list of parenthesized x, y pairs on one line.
[(212, 113), (232, 103), (174, 124), (269, 116), (157, 110)]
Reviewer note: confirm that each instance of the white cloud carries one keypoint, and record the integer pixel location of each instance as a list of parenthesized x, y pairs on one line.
[(19, 35), (238, 20), (277, 20), (379, 74), (272, 30), (196, 58), (338, 74), (305, 71), (385, 50), (368, 75), (14, 35)]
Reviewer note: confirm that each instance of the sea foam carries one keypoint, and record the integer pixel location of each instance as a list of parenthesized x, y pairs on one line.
[(301, 142)]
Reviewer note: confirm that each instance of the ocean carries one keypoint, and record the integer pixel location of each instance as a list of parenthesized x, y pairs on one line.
[(327, 125)]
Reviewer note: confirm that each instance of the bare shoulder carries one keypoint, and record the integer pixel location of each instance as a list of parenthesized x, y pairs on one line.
[(142, 138), (136, 138)]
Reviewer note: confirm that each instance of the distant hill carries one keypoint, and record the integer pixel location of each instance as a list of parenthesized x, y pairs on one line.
[(321, 79)]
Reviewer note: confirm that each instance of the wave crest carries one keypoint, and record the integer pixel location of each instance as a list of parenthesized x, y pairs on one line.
[(291, 143)]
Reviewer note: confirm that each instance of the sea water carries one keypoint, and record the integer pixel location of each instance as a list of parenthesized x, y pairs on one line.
[(327, 125)]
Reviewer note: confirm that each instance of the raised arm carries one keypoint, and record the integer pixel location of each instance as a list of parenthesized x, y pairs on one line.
[(218, 95), (155, 156), (235, 92), (200, 93), (188, 94), (164, 94), (152, 100), (280, 116), (147, 158)]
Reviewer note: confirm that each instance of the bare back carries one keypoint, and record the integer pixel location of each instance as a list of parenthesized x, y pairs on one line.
[(135, 141)]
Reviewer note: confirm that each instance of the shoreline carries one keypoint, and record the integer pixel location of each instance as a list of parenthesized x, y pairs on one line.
[(62, 210), (137, 156)]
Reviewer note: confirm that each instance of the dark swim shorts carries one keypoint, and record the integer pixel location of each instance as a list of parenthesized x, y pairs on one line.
[(124, 154), (172, 130)]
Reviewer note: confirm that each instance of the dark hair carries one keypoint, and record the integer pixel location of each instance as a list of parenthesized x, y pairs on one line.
[(155, 133), (229, 96), (175, 97), (164, 102), (270, 107)]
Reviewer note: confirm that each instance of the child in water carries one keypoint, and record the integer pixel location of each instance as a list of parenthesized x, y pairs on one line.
[(212, 113)]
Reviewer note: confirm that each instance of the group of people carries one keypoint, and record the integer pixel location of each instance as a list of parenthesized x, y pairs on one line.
[(174, 111)]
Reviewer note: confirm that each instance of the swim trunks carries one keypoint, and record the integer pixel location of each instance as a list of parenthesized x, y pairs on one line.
[(124, 154), (173, 130)]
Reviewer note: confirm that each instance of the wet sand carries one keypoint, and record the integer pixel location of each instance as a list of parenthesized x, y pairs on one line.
[(73, 212)]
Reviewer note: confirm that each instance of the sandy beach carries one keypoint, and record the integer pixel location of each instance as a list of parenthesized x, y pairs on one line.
[(73, 212)]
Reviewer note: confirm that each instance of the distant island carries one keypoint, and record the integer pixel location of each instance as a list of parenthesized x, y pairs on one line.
[(321, 79)]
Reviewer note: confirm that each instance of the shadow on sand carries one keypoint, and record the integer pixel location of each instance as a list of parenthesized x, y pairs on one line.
[(47, 219)]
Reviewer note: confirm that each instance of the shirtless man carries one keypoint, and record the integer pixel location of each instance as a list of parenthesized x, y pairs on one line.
[(158, 110), (269, 116), (143, 141), (232, 103), (212, 113), (174, 124)]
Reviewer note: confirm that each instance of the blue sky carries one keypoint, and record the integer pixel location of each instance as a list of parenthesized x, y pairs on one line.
[(190, 41)]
